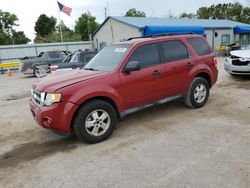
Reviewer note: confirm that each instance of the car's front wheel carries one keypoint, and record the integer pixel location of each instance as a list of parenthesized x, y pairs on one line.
[(95, 121), (198, 93)]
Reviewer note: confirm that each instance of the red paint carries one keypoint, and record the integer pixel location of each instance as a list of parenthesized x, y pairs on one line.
[(126, 90)]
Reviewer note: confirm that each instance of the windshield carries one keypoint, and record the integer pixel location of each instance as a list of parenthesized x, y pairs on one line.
[(108, 58), (75, 57)]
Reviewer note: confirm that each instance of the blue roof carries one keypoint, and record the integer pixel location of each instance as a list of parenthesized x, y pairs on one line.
[(141, 22), (154, 30), (242, 29)]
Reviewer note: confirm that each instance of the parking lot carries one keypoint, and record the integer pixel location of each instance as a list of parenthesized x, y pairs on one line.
[(165, 146)]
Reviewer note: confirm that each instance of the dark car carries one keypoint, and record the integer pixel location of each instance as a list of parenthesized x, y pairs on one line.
[(33, 65), (76, 60), (124, 78)]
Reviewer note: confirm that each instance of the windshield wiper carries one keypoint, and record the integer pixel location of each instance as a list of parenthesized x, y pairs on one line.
[(91, 69)]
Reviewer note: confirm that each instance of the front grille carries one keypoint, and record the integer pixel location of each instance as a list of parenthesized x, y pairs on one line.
[(37, 97), (237, 62)]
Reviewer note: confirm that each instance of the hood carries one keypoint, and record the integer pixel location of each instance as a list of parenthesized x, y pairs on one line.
[(58, 80), (241, 53)]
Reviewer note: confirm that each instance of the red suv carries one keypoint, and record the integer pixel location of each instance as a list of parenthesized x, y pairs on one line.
[(124, 78)]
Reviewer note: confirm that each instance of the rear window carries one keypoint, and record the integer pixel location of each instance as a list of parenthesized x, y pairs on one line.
[(174, 51), (200, 46)]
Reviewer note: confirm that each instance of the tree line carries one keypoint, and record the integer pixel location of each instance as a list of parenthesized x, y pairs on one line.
[(48, 29)]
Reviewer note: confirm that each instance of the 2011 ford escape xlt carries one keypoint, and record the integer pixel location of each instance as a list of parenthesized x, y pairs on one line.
[(121, 79)]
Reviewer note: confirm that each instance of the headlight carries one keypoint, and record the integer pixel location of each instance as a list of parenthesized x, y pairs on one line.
[(51, 98)]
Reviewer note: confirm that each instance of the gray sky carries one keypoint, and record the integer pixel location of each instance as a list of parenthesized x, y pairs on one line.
[(29, 10)]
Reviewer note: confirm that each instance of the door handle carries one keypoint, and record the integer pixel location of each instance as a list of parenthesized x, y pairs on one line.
[(156, 72), (189, 64)]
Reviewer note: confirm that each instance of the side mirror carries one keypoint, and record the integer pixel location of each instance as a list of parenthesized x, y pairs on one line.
[(132, 66)]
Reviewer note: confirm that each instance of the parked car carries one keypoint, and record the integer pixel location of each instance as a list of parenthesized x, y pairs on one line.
[(239, 62), (33, 65), (124, 78), (76, 60)]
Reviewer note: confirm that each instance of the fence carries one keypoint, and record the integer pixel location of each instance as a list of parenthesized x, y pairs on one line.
[(10, 52)]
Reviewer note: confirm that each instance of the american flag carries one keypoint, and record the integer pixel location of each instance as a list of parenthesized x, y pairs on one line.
[(65, 9)]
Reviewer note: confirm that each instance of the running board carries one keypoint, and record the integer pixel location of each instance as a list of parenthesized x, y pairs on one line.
[(142, 107)]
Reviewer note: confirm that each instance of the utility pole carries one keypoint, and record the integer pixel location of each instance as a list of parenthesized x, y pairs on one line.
[(105, 12), (108, 9)]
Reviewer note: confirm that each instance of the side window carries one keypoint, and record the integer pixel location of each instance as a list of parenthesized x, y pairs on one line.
[(147, 55), (54, 55), (200, 46), (174, 50)]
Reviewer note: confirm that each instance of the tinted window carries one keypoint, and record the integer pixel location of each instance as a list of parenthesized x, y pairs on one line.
[(174, 50), (54, 55), (147, 55), (200, 46)]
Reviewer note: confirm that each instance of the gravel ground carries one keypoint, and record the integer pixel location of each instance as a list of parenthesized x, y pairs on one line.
[(164, 146)]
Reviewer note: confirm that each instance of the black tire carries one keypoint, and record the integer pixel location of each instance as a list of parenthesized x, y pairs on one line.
[(79, 123), (190, 99), (35, 72)]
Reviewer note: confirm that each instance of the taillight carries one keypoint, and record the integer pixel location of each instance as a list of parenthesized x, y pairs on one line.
[(215, 61)]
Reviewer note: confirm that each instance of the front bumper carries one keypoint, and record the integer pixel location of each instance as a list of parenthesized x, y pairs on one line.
[(234, 69), (57, 117)]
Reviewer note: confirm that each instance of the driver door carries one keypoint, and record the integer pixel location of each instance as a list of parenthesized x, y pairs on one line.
[(147, 84)]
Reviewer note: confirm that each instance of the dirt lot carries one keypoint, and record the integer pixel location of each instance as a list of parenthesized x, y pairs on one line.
[(165, 146)]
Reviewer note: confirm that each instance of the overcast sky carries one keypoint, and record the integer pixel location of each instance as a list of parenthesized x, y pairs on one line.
[(29, 10)]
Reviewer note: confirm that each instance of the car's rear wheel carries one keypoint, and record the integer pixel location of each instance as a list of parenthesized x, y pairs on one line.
[(198, 93), (95, 121)]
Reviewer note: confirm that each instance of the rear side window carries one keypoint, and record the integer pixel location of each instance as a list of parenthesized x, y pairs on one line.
[(174, 50), (147, 55), (53, 55), (200, 46)]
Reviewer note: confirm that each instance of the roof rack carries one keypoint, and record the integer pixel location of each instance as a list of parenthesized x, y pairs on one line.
[(162, 34), (131, 38), (171, 34)]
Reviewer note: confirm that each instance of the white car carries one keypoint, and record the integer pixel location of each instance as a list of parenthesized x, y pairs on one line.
[(239, 62)]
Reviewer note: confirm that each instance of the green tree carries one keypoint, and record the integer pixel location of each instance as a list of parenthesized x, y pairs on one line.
[(45, 25), (85, 25), (8, 35), (187, 15), (4, 38), (230, 11), (134, 13), (20, 38), (7, 21)]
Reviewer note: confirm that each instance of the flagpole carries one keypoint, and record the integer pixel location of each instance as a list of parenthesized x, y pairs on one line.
[(60, 27)]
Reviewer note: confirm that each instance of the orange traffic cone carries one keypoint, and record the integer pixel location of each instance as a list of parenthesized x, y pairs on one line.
[(9, 73)]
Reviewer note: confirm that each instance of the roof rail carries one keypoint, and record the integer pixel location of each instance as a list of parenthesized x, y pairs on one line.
[(171, 34), (138, 37), (163, 34)]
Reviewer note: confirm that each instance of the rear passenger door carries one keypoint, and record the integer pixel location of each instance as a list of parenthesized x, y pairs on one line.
[(177, 64), (147, 84)]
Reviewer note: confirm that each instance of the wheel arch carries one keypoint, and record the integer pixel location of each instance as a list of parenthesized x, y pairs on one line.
[(104, 98), (206, 76)]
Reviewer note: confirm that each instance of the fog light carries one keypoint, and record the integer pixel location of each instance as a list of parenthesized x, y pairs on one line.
[(47, 122)]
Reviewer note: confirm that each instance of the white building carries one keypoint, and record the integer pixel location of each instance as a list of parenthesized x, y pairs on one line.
[(218, 32)]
